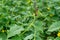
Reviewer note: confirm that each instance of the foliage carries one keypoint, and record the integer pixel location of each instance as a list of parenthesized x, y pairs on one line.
[(20, 20)]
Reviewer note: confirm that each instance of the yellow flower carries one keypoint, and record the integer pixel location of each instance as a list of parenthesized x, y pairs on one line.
[(28, 1), (51, 15), (58, 34), (33, 14), (3, 31), (48, 8)]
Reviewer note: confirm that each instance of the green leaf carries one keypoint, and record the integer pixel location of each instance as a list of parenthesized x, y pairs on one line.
[(54, 27), (57, 38), (50, 38), (16, 38), (39, 26), (28, 37), (14, 29), (3, 36)]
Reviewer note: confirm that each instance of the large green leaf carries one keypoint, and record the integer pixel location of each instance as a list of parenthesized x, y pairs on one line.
[(54, 27), (16, 38), (38, 29), (39, 26), (29, 37), (3, 36), (14, 29), (57, 38), (50, 38)]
